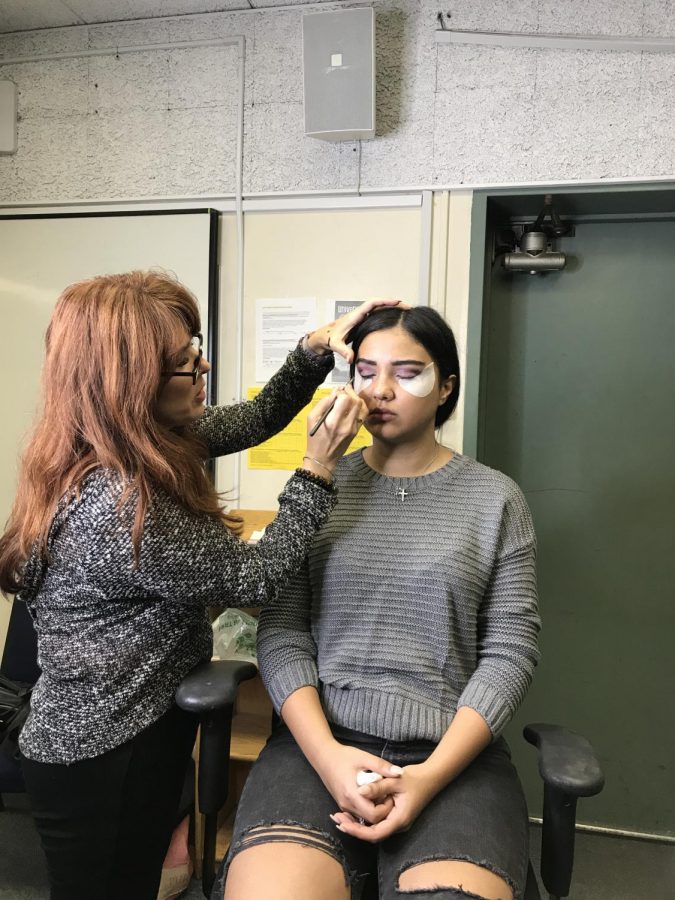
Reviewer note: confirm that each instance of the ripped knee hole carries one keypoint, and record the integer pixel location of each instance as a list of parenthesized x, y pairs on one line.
[(287, 833), (472, 879)]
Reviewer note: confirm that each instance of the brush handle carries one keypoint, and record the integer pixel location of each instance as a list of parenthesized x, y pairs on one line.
[(317, 425), (323, 418)]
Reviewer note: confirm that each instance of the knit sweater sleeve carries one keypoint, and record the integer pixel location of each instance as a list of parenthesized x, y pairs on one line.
[(229, 429), (508, 622), (185, 559), (286, 648), (196, 559)]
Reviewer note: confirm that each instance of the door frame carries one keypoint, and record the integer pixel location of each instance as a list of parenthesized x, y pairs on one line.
[(600, 203), (612, 202)]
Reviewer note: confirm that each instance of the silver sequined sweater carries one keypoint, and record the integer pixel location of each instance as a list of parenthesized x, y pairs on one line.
[(115, 640), (407, 610)]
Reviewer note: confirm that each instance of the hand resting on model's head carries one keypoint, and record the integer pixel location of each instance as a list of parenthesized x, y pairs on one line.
[(332, 336)]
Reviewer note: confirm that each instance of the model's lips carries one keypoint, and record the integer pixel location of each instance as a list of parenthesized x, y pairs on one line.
[(382, 415), (201, 397)]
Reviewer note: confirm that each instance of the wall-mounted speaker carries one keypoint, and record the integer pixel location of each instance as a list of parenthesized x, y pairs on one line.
[(7, 117), (339, 74)]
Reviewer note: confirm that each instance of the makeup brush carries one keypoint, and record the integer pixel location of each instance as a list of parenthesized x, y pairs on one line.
[(317, 425)]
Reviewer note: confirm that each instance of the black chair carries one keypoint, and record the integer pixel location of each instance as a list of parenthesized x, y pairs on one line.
[(567, 765), (19, 664)]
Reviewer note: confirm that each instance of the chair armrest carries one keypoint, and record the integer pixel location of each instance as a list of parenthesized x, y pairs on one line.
[(209, 691), (567, 761), (570, 769), (212, 685)]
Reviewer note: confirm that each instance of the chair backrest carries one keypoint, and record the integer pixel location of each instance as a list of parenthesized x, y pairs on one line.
[(19, 659), (19, 663)]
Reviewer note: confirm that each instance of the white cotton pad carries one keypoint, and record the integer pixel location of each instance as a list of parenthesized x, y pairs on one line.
[(421, 385), (364, 777)]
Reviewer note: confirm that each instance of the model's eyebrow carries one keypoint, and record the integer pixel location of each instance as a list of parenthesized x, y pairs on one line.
[(396, 362)]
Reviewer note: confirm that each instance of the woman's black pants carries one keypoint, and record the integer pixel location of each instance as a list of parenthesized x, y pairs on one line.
[(105, 823)]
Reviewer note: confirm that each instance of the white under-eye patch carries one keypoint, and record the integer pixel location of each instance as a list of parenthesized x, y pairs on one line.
[(420, 385)]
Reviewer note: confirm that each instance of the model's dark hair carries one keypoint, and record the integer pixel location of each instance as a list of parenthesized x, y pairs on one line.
[(430, 330)]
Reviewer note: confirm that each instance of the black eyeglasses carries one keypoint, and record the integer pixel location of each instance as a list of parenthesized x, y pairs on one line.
[(196, 343)]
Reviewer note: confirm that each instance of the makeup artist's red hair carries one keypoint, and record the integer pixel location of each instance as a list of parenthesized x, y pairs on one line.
[(108, 342)]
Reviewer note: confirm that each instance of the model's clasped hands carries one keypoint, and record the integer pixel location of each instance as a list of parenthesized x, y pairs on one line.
[(338, 769), (388, 805)]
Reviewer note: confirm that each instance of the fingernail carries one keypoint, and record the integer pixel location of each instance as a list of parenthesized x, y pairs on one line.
[(396, 770), (333, 817), (339, 827)]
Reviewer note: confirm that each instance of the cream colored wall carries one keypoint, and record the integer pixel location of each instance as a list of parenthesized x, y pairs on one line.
[(5, 610), (450, 285)]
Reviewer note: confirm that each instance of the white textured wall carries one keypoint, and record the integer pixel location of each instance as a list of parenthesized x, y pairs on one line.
[(163, 123)]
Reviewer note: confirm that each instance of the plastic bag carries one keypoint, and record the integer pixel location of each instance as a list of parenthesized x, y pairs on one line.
[(234, 635)]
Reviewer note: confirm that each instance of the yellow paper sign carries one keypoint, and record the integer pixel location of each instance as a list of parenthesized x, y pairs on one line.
[(285, 450)]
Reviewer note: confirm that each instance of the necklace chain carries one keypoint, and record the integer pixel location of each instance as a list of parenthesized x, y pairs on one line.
[(402, 492)]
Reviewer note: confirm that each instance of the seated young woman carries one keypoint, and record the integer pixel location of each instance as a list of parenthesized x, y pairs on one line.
[(402, 649)]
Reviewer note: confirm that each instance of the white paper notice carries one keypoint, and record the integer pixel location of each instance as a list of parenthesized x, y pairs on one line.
[(279, 326)]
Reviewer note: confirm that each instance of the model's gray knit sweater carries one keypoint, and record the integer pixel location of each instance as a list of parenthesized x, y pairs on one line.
[(408, 610), (115, 640)]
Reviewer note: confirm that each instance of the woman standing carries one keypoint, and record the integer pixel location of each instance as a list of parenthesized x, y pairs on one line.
[(396, 657), (117, 542)]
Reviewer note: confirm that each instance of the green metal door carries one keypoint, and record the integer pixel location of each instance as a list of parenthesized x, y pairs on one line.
[(578, 407)]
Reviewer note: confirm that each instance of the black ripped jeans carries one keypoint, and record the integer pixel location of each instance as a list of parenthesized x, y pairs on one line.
[(480, 817)]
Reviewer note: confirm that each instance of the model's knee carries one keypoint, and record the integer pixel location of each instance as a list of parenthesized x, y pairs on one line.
[(474, 880), (286, 861)]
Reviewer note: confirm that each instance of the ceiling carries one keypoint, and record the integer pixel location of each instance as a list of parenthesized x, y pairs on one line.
[(25, 15)]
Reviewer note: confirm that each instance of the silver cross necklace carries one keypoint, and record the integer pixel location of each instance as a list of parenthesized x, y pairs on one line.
[(402, 492)]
